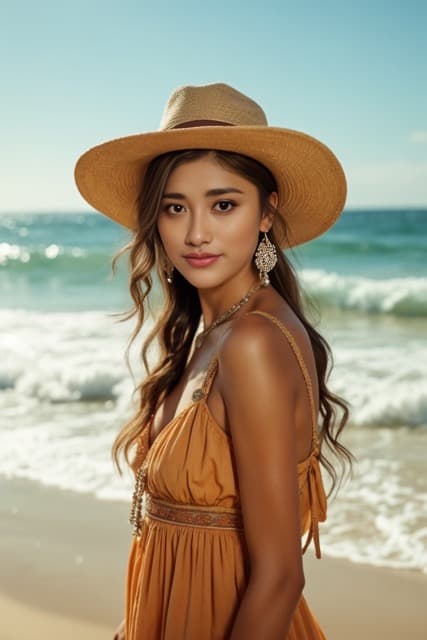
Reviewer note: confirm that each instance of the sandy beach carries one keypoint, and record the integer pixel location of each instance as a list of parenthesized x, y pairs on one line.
[(63, 557)]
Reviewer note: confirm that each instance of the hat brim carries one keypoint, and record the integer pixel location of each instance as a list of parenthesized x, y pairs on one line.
[(311, 183)]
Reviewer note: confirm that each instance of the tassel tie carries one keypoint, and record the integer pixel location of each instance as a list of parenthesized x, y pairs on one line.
[(317, 500)]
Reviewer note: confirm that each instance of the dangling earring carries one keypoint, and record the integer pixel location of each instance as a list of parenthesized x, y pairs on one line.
[(169, 274), (265, 259)]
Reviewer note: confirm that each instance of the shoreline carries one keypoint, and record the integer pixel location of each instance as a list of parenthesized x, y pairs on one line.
[(64, 576)]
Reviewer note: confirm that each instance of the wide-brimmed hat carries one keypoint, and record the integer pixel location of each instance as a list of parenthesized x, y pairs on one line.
[(311, 183)]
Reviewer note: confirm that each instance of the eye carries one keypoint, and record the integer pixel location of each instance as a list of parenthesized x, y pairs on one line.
[(226, 202), (168, 206)]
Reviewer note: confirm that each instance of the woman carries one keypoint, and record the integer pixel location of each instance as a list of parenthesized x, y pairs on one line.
[(228, 453)]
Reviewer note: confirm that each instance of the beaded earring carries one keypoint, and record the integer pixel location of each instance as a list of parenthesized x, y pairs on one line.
[(265, 258)]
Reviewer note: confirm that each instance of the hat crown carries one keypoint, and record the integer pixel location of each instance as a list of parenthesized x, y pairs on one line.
[(210, 104)]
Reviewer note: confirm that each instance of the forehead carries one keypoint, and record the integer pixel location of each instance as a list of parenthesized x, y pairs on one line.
[(210, 172)]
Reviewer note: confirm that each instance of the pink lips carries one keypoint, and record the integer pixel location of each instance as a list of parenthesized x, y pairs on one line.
[(201, 262)]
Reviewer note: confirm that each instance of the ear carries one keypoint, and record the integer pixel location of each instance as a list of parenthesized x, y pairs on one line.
[(267, 216)]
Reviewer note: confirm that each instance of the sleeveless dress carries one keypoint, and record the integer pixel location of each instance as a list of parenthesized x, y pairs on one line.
[(188, 567)]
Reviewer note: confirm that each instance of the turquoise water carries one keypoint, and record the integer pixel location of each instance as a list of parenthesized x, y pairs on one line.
[(62, 262), (65, 389)]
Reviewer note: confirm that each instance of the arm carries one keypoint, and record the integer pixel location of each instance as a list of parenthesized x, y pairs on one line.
[(260, 380)]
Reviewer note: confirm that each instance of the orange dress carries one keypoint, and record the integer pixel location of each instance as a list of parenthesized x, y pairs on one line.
[(188, 567)]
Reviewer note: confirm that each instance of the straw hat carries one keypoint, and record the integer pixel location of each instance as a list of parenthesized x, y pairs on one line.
[(310, 180)]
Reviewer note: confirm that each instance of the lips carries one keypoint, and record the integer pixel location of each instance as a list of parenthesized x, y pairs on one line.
[(200, 260), (201, 255)]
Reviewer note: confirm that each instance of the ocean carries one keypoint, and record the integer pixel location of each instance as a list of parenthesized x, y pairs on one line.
[(65, 389)]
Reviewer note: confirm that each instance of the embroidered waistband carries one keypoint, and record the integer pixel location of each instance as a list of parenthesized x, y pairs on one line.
[(194, 516)]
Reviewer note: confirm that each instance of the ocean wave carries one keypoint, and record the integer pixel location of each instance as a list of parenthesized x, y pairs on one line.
[(61, 271), (77, 358), (394, 296)]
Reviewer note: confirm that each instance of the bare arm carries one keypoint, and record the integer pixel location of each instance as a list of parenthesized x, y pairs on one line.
[(265, 611), (260, 380)]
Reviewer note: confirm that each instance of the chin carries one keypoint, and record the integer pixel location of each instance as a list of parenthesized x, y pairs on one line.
[(206, 281)]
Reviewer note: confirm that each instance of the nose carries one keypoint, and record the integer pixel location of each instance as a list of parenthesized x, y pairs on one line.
[(198, 228)]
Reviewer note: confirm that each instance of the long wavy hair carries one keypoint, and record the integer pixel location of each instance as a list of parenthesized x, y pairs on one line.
[(179, 319)]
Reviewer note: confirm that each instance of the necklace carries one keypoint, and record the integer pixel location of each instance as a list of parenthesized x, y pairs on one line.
[(236, 306)]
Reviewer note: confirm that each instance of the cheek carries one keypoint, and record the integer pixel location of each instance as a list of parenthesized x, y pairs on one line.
[(165, 233), (239, 230), (238, 242)]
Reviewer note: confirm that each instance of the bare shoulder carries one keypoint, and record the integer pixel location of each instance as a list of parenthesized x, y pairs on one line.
[(258, 337), (248, 335), (256, 354)]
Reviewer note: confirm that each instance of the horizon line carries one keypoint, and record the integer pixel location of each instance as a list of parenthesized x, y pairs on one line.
[(95, 212)]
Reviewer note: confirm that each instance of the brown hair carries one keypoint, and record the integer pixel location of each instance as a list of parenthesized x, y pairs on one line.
[(180, 316)]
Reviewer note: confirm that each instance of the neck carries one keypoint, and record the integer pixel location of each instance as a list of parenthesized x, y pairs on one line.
[(216, 301)]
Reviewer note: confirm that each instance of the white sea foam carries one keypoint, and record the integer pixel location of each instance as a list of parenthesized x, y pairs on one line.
[(79, 357), (65, 391), (379, 517), (398, 296)]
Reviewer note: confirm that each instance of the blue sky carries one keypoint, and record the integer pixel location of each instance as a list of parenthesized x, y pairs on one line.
[(76, 74)]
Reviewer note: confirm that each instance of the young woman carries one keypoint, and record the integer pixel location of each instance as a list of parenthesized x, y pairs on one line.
[(228, 449)]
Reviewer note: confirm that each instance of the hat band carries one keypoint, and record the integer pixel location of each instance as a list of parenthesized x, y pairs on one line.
[(202, 123)]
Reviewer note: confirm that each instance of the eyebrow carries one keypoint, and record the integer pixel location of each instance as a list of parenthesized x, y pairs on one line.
[(211, 192)]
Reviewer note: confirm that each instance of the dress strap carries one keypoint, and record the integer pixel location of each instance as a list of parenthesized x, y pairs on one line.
[(317, 495), (209, 376), (308, 383)]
